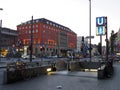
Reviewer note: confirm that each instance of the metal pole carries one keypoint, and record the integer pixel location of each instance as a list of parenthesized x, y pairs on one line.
[(31, 44), (106, 42), (0, 41), (101, 44), (0, 36), (90, 26)]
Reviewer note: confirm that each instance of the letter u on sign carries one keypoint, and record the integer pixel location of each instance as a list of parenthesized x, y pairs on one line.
[(100, 21)]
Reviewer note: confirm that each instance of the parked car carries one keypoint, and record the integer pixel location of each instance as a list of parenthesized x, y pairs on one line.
[(55, 56), (49, 57), (1, 56), (28, 56)]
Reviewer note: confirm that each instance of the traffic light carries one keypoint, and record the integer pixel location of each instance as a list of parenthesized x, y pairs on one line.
[(82, 38)]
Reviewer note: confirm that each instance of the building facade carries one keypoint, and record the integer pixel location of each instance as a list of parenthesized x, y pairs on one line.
[(117, 42), (49, 38), (80, 42), (8, 38)]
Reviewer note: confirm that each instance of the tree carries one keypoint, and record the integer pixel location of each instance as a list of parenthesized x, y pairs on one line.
[(99, 47), (112, 40)]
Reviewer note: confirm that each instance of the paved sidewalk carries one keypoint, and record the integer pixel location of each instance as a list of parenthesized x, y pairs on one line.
[(3, 64), (65, 80)]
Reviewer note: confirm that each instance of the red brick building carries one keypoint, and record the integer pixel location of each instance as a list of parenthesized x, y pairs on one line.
[(56, 39)]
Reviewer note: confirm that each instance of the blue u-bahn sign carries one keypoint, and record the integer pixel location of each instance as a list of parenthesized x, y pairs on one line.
[(101, 24), (100, 21)]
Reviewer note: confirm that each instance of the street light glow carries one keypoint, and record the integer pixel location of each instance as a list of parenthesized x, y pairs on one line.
[(49, 69)]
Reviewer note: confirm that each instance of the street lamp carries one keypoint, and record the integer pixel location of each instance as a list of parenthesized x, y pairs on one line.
[(0, 37), (90, 26)]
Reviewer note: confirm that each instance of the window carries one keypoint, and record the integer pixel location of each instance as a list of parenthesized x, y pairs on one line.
[(33, 21), (36, 30), (50, 23), (29, 26), (54, 25), (29, 22), (43, 26), (47, 22), (36, 26), (29, 31), (37, 21)]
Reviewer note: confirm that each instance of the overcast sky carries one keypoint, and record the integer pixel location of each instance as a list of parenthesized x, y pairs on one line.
[(73, 14)]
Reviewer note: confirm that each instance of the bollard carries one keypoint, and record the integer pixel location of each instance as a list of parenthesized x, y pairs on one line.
[(5, 77), (101, 72), (108, 71), (53, 67), (8, 67), (68, 66)]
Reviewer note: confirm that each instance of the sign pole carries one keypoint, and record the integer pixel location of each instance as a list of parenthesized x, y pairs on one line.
[(101, 44), (101, 26), (106, 40)]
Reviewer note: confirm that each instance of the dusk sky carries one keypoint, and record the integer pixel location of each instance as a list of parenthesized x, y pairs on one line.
[(73, 14)]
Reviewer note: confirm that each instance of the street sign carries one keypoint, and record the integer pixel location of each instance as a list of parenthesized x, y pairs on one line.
[(101, 25), (100, 30), (100, 21), (90, 37)]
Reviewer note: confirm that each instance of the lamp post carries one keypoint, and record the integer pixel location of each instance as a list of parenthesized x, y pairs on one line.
[(31, 43), (0, 37), (90, 26)]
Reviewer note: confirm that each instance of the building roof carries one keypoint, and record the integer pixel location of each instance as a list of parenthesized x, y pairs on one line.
[(8, 31), (46, 21)]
